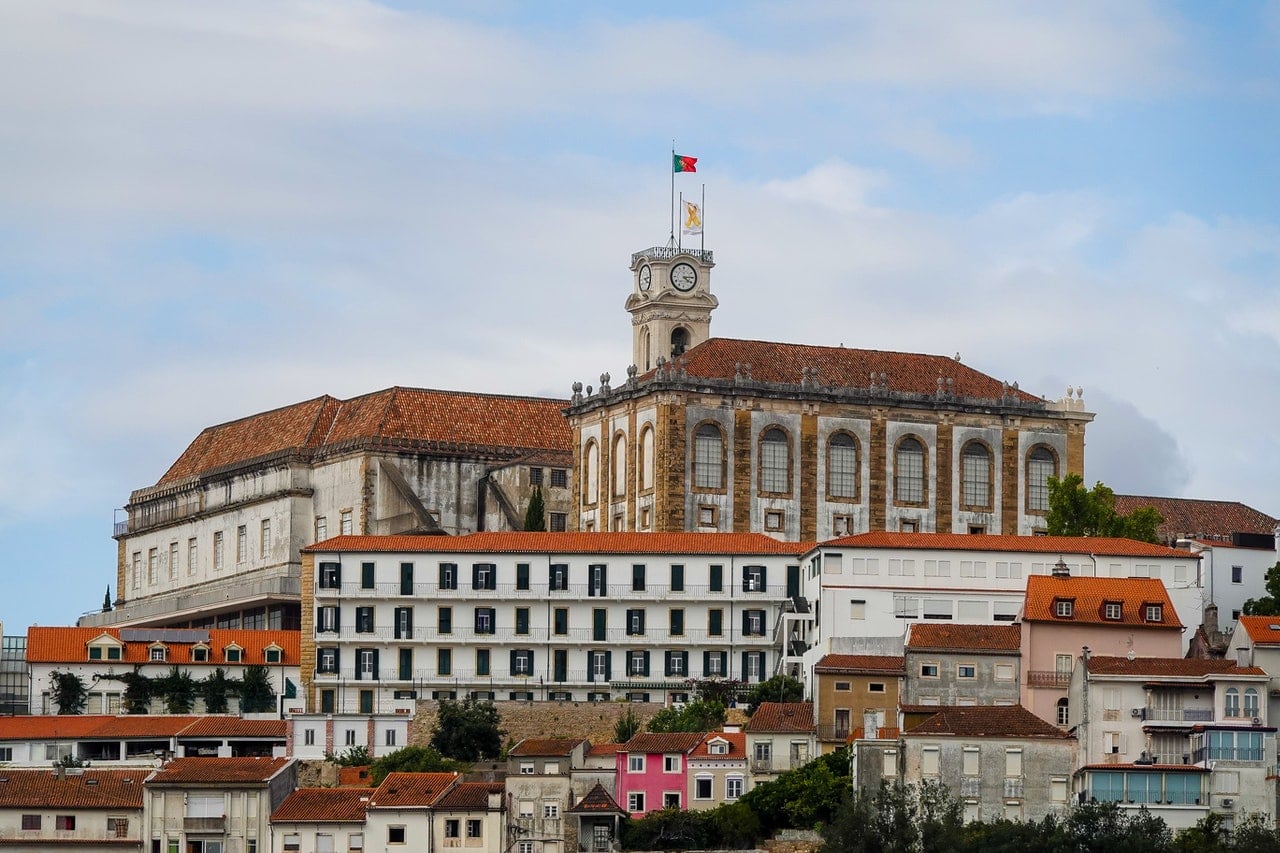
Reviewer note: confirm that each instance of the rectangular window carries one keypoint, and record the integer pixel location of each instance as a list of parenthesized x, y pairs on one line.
[(716, 579), (635, 763), (559, 581), (635, 801), (857, 610), (928, 670), (1112, 610), (637, 578), (715, 622), (366, 575), (31, 822), (324, 843), (395, 835), (559, 478), (482, 661), (753, 578), (444, 620), (551, 811), (1237, 574), (173, 561), (364, 620), (448, 576), (444, 661), (521, 662), (635, 622), (558, 521), (1155, 613), (484, 576), (486, 620), (535, 476), (522, 620), (670, 764), (265, 539), (970, 761), (702, 788), (522, 576), (217, 551), (192, 554), (677, 622), (929, 761), (345, 520), (677, 578), (561, 621), (966, 670), (242, 543)]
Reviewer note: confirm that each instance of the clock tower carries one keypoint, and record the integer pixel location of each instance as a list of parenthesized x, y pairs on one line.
[(670, 303)]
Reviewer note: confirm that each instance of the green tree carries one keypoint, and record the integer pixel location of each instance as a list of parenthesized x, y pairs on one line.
[(626, 726), (412, 759), (803, 798), (467, 730), (179, 690), (68, 692), (535, 515), (1077, 511), (352, 756), (138, 691), (213, 689), (1102, 828), (1269, 604), (700, 715), (780, 688), (106, 600), (256, 693), (723, 690)]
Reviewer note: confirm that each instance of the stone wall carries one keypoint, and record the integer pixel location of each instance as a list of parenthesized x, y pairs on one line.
[(591, 720)]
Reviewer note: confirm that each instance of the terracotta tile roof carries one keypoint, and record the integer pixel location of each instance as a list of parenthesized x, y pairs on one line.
[(323, 805), (597, 749), (597, 801), (101, 726), (1150, 768), (782, 717), (882, 733), (236, 727), (1260, 630), (737, 747), (1099, 546), (48, 727), (354, 777), (1190, 518), (838, 664), (70, 645), (970, 638), (718, 358), (411, 790), (923, 709), (89, 789), (404, 418), (469, 796), (218, 771), (1168, 667), (1089, 595), (568, 543), (141, 725), (652, 743), (557, 747), (987, 721)]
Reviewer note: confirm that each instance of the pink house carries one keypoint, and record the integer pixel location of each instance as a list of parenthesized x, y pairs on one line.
[(653, 771), (1112, 616)]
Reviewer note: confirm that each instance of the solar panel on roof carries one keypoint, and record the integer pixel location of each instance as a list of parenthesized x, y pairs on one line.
[(164, 635)]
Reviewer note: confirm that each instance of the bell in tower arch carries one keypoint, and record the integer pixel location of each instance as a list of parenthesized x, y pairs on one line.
[(679, 341)]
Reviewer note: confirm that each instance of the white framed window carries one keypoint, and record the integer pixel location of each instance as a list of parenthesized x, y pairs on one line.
[(173, 561), (526, 807), (670, 764), (551, 811), (702, 788), (635, 801), (1112, 610), (635, 763), (153, 560), (1155, 613), (322, 528), (192, 554), (1063, 608), (966, 670), (242, 543), (345, 521), (929, 761), (1004, 672), (264, 543), (217, 551)]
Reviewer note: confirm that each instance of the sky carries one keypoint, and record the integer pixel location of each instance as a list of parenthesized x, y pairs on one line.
[(213, 209)]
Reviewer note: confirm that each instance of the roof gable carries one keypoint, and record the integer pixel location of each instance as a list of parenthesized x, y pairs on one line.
[(662, 742), (1198, 668), (1262, 630), (782, 717), (219, 771), (999, 721), (1201, 519), (323, 805), (411, 790), (860, 664)]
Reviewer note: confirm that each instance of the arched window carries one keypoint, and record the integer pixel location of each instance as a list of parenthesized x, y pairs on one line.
[(1041, 465), (909, 472), (646, 458), (620, 466), (1250, 702), (645, 344), (975, 475), (679, 341), (842, 466), (591, 474), (1232, 703), (1064, 712), (775, 461), (708, 457)]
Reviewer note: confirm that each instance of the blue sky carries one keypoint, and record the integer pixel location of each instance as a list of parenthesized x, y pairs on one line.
[(208, 210)]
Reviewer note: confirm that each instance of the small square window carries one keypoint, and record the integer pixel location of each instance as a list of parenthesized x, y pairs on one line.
[(966, 670), (706, 516), (1155, 613), (928, 670), (774, 520), (635, 801), (1063, 608), (1112, 610)]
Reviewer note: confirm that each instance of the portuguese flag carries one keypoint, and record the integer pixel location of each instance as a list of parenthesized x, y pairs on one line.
[(681, 163)]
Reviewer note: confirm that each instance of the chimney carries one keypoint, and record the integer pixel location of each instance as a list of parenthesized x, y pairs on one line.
[(1211, 620), (1060, 569)]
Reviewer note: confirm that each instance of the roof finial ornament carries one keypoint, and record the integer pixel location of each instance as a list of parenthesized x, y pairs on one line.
[(577, 393)]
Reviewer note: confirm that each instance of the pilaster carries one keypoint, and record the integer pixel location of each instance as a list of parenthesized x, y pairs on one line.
[(740, 483)]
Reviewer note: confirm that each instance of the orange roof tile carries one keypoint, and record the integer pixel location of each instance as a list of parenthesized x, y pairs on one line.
[(1089, 594), (1263, 630), (469, 796), (567, 543), (970, 638), (87, 789), (1168, 667), (770, 361), (556, 747), (597, 801), (837, 664), (987, 721), (665, 742), (782, 717), (237, 727), (395, 418), (737, 747), (1191, 518), (70, 645), (354, 777), (1098, 546), (218, 771), (597, 749), (142, 725), (49, 727), (411, 790), (103, 726), (323, 805)]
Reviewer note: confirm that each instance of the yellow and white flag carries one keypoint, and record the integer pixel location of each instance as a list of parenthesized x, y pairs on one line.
[(692, 219)]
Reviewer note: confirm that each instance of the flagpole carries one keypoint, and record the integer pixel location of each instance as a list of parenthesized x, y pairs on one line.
[(680, 238), (672, 166), (702, 232)]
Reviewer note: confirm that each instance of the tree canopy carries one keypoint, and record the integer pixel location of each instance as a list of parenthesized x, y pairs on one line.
[(535, 515), (412, 759), (467, 730), (700, 715), (780, 688), (256, 693), (1269, 604), (1077, 511)]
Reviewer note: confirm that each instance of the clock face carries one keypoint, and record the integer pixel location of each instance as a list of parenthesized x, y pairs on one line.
[(646, 277), (684, 277)]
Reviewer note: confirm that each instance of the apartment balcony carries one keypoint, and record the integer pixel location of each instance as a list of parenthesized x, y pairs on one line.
[(216, 825), (1177, 715), (543, 592), (1048, 678), (839, 734), (280, 584), (573, 637)]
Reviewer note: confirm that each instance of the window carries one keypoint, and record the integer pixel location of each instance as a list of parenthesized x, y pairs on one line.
[(928, 670), (242, 543), (364, 620), (448, 576), (1250, 702), (452, 828), (64, 821), (1041, 465), (395, 834), (192, 553), (1112, 610), (559, 577), (909, 472), (842, 467), (522, 576), (344, 520), (173, 560), (677, 622), (558, 522), (157, 653), (522, 620), (753, 623), (327, 660), (31, 822), (330, 575), (929, 761), (233, 654), (733, 787), (1232, 702), (473, 828), (702, 788), (966, 670), (153, 559), (1004, 672), (217, 551), (522, 662), (590, 473), (482, 661), (1237, 574), (716, 580), (975, 475), (535, 476), (635, 801), (635, 763), (559, 478), (637, 578), (272, 655), (708, 458), (327, 619), (486, 620), (635, 622), (444, 661), (619, 465), (858, 609), (775, 461), (264, 539), (774, 520), (551, 811), (1155, 613), (1063, 608), (876, 687), (322, 528), (484, 576), (560, 620), (753, 579), (671, 800), (324, 843), (637, 663), (670, 764), (645, 451)]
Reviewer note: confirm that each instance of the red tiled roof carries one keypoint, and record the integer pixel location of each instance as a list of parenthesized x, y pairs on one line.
[(415, 418), (469, 796), (88, 789), (556, 747), (1168, 667), (567, 543), (1260, 630), (235, 727), (719, 358), (411, 790), (1098, 546), (597, 801), (323, 805), (882, 733), (354, 777), (971, 638), (49, 727), (860, 663), (1089, 595), (737, 747), (70, 645), (597, 749), (141, 725), (665, 742), (782, 717), (1150, 768), (99, 726), (987, 721), (218, 771), (1190, 518)]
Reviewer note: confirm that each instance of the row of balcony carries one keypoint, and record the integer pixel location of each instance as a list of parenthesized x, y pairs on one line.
[(539, 592), (457, 675), (509, 636)]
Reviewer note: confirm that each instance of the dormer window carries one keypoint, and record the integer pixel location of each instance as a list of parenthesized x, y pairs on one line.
[(105, 647), (1064, 608), (718, 747), (1155, 612), (272, 653), (1112, 610), (157, 653), (233, 654), (200, 654)]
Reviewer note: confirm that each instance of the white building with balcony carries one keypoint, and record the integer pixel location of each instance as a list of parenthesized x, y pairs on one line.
[(538, 616)]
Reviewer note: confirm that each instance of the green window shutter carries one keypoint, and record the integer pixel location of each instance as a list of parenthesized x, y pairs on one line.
[(366, 575), (406, 578)]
